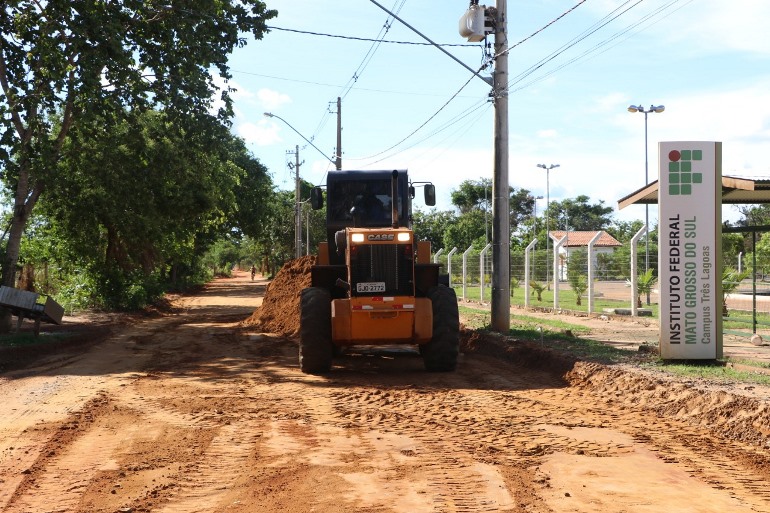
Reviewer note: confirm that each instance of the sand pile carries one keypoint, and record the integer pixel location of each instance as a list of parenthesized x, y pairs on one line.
[(279, 312)]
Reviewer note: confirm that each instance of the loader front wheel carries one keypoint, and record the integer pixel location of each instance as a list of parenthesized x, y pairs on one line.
[(315, 331), (440, 354)]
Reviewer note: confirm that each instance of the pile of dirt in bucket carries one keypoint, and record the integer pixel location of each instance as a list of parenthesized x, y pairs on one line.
[(279, 312)]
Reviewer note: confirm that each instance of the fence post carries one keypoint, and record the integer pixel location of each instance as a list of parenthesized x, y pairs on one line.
[(449, 265), (436, 255), (556, 246), (526, 272), (634, 271), (465, 271), (482, 258), (591, 272)]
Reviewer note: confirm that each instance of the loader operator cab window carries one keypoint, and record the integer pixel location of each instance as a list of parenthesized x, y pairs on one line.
[(361, 203)]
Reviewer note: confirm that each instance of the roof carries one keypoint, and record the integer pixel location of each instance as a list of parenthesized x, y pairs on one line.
[(735, 191), (581, 239)]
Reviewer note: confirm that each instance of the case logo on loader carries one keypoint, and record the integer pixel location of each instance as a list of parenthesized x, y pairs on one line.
[(381, 236)]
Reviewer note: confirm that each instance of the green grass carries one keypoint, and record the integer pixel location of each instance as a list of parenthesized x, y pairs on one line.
[(567, 300), (29, 339), (551, 333)]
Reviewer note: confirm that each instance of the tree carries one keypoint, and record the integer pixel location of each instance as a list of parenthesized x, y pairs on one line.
[(731, 281), (477, 195), (624, 231), (578, 263), (63, 62), (644, 284), (157, 197), (432, 226), (579, 215), (467, 230), (538, 288)]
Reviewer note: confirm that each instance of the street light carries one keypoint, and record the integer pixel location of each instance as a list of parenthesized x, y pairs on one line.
[(547, 215), (297, 203), (658, 109), (271, 115)]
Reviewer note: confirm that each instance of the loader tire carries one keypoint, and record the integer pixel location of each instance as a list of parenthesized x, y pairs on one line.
[(440, 354), (315, 331)]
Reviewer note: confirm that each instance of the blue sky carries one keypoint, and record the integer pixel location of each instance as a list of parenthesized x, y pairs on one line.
[(705, 60)]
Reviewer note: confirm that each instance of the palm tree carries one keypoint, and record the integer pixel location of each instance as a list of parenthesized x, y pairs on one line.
[(579, 284), (731, 280), (644, 284), (538, 288)]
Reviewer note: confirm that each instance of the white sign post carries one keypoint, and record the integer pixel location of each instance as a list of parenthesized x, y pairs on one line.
[(689, 255)]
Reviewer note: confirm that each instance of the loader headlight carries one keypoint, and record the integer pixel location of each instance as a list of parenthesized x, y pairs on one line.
[(404, 237), (357, 237)]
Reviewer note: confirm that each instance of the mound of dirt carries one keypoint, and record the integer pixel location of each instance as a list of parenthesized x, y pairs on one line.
[(727, 412), (279, 312)]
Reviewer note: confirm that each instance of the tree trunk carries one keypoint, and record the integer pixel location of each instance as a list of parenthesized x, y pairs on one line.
[(26, 197)]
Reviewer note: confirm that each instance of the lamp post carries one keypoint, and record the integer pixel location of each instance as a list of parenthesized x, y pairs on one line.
[(271, 115), (297, 202), (658, 109), (547, 215)]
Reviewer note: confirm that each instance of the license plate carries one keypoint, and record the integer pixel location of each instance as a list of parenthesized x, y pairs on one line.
[(370, 286)]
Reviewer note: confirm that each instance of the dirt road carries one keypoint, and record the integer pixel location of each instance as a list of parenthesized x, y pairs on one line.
[(190, 412)]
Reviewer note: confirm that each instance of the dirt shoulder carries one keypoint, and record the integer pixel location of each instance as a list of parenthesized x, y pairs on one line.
[(194, 410)]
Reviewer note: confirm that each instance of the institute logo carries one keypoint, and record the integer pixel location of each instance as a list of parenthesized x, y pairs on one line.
[(681, 177)]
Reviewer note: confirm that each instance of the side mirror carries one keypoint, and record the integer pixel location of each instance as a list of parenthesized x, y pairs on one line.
[(430, 194), (411, 191), (316, 198)]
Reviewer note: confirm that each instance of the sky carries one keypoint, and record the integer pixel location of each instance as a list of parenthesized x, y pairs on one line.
[(413, 107)]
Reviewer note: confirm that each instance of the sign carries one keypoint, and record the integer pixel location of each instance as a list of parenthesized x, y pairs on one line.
[(690, 237)]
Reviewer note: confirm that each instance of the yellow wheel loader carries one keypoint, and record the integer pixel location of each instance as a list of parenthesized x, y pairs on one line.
[(373, 284)]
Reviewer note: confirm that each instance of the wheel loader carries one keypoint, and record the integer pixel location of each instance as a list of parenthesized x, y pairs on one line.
[(373, 283)]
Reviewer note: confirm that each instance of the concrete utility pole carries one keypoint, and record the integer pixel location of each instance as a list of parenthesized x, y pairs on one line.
[(297, 204), (501, 200), (338, 163)]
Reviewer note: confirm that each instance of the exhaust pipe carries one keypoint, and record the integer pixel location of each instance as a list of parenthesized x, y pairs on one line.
[(394, 198)]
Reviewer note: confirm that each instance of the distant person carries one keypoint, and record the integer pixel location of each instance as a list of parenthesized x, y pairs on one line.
[(253, 271)]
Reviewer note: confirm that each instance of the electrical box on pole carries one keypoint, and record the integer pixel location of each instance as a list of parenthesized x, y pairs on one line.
[(476, 23)]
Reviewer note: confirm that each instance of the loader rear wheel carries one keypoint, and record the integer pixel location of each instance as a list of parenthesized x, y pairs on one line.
[(440, 354), (315, 332)]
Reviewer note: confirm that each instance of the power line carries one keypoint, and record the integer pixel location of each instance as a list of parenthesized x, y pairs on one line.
[(614, 15), (336, 86), (423, 124), (454, 121), (352, 38), (358, 71)]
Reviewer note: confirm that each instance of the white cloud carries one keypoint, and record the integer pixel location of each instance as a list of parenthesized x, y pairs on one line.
[(270, 99), (262, 133), (547, 134)]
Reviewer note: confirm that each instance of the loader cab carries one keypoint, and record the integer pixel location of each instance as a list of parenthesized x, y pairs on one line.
[(361, 199)]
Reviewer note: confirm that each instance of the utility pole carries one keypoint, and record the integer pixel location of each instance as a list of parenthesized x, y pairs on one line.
[(338, 162), (501, 200), (297, 204), (501, 233)]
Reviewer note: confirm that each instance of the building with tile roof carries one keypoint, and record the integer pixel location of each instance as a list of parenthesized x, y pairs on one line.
[(606, 244)]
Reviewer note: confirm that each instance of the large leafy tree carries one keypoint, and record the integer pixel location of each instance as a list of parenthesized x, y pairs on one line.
[(432, 225), (477, 195), (579, 215), (157, 196), (624, 231), (473, 197), (64, 61)]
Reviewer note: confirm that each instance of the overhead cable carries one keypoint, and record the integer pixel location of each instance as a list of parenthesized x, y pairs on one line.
[(352, 38)]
